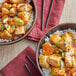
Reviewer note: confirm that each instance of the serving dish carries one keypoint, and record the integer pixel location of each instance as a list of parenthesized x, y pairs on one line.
[(27, 24), (61, 27)]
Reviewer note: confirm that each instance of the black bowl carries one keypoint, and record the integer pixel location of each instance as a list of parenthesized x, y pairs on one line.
[(52, 30)]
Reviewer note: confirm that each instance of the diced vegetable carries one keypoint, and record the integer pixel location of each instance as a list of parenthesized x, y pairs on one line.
[(58, 45)]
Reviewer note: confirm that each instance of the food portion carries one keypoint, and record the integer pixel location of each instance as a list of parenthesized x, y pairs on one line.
[(58, 54), (14, 16)]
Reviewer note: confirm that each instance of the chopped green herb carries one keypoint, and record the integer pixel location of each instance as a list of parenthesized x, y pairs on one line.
[(50, 74), (9, 8), (74, 42), (17, 26), (11, 15), (18, 20), (2, 28), (74, 38), (13, 27), (8, 26), (62, 63), (60, 50), (66, 53), (62, 54), (58, 45), (8, 4), (53, 46)]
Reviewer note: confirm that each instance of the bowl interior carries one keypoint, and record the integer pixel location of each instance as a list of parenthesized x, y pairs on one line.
[(60, 27), (28, 31)]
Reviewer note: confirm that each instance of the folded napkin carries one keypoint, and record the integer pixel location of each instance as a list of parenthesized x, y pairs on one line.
[(16, 67), (55, 15)]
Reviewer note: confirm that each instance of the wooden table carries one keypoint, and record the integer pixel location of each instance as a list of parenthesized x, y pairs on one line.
[(7, 53)]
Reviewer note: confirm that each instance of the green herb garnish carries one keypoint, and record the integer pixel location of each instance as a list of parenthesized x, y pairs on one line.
[(17, 26), (13, 27), (17, 20), (8, 26), (60, 50), (58, 45), (11, 15), (74, 42), (9, 8), (2, 28), (74, 38), (53, 46), (50, 74), (66, 53), (8, 4)]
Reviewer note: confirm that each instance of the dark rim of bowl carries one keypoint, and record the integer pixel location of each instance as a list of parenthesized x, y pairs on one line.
[(37, 55), (19, 39)]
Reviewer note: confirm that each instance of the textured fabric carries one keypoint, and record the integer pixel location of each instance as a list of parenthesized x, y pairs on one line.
[(54, 19), (16, 67)]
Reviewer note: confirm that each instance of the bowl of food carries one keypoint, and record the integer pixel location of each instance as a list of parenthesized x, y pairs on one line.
[(17, 18), (56, 51)]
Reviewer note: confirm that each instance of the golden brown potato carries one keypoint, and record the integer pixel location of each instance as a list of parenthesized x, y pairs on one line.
[(20, 30), (10, 21), (9, 28), (14, 5), (54, 60), (4, 19), (24, 16), (6, 5), (74, 62), (58, 72), (67, 37), (0, 26), (18, 21), (47, 49), (15, 1), (5, 11), (43, 61), (12, 12), (24, 7), (72, 72), (68, 61), (5, 35), (55, 38)]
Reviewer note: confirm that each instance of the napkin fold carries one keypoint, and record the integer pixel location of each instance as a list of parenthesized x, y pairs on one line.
[(54, 19), (16, 66)]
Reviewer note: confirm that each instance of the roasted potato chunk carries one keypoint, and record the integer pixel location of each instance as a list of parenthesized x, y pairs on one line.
[(0, 26), (47, 49), (10, 21), (4, 19), (15, 1), (9, 28), (6, 5), (43, 61), (68, 61), (5, 35), (12, 11), (18, 21), (54, 60), (55, 38), (72, 72), (24, 7), (5, 11), (14, 5), (74, 62), (24, 16), (58, 72), (66, 37), (20, 30)]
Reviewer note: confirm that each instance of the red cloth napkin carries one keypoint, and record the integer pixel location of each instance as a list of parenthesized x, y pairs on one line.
[(16, 67), (54, 19)]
